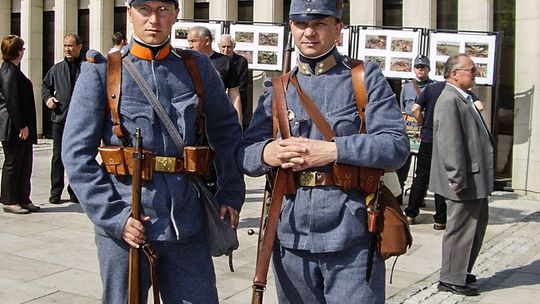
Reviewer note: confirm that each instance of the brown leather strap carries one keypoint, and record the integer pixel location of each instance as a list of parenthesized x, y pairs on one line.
[(193, 71), (416, 87), (280, 85), (265, 247), (360, 92), (313, 111), (114, 81), (152, 257)]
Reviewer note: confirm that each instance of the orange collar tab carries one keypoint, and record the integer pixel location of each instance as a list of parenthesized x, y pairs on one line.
[(142, 52)]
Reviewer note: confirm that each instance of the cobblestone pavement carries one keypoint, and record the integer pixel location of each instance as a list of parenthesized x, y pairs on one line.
[(50, 256)]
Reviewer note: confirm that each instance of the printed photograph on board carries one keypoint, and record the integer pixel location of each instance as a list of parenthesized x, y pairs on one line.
[(401, 64), (377, 42), (247, 54), (268, 39), (380, 60), (243, 37), (265, 57), (446, 48), (479, 50), (402, 45)]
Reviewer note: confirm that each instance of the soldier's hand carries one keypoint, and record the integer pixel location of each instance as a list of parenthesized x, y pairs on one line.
[(133, 232), (312, 153), (231, 213), (284, 152)]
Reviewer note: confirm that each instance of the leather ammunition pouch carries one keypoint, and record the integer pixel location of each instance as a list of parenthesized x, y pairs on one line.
[(119, 161)]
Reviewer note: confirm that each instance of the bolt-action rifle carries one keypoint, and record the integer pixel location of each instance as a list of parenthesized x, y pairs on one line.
[(134, 275), (275, 188)]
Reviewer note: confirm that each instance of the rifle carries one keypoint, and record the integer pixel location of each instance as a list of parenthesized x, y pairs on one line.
[(274, 191), (134, 276)]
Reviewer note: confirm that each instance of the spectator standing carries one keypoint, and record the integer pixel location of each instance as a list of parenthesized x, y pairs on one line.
[(118, 41), (409, 93), (17, 129), (172, 221), (226, 47), (423, 112), (200, 39), (56, 92), (321, 249), (462, 172)]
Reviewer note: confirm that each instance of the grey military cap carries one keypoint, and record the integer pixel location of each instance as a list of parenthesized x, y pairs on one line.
[(305, 10), (421, 60), (141, 2)]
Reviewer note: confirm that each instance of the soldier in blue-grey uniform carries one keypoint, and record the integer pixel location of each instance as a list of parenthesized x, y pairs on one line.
[(409, 94), (321, 249), (171, 212)]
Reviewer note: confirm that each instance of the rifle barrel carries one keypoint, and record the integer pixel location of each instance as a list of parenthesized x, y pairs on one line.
[(134, 275)]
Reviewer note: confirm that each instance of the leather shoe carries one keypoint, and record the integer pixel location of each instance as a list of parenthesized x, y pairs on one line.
[(55, 200), (411, 220), (471, 278), (439, 226), (16, 209), (31, 207), (457, 289)]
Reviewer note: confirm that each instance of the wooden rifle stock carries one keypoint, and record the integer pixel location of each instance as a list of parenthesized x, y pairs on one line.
[(134, 276), (275, 189)]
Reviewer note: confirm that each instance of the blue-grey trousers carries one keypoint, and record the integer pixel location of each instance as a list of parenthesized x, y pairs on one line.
[(185, 271), (336, 277)]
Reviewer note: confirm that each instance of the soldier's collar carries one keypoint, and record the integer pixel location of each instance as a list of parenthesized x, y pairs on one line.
[(144, 52), (321, 67)]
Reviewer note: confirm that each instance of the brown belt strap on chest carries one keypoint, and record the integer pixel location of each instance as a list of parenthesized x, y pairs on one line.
[(114, 84), (360, 92), (267, 243), (193, 71)]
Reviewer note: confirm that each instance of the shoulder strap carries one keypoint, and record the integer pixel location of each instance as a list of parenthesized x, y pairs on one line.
[(312, 110), (416, 87), (114, 81), (193, 71), (360, 92), (280, 84)]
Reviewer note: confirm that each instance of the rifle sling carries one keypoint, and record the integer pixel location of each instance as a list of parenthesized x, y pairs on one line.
[(265, 249)]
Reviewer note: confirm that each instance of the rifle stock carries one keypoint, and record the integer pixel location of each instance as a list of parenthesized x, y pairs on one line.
[(134, 275), (275, 189)]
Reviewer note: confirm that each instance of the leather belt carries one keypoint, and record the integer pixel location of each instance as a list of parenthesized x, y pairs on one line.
[(314, 179)]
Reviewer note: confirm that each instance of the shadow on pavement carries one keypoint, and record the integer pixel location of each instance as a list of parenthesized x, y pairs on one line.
[(527, 275)]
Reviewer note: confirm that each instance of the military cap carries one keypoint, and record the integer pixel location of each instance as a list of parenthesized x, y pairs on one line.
[(140, 2), (305, 10), (421, 60), (95, 56)]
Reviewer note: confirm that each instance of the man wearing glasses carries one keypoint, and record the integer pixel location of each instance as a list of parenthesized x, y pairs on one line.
[(171, 220), (462, 172)]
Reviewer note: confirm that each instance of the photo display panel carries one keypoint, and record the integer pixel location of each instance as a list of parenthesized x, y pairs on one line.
[(480, 47), (393, 50), (181, 28), (261, 45)]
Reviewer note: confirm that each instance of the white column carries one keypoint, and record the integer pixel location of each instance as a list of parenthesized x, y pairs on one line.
[(102, 18), (526, 159), (65, 21), (366, 12), (5, 18), (187, 9), (223, 10), (420, 13), (268, 11), (32, 34)]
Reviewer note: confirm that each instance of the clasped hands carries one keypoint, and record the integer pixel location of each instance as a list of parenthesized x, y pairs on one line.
[(298, 153)]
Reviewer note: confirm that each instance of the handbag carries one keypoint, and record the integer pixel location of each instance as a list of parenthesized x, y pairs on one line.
[(222, 237)]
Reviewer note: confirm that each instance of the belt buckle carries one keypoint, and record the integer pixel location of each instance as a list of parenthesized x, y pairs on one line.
[(307, 179), (165, 164)]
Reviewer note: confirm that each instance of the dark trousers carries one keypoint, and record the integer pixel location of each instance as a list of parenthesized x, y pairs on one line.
[(16, 172), (402, 174), (420, 186), (57, 166)]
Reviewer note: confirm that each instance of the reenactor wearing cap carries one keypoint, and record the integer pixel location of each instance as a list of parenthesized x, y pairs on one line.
[(172, 218), (409, 94), (321, 249)]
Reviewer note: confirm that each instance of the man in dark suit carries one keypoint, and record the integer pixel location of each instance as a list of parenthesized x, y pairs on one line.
[(56, 91), (462, 172)]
